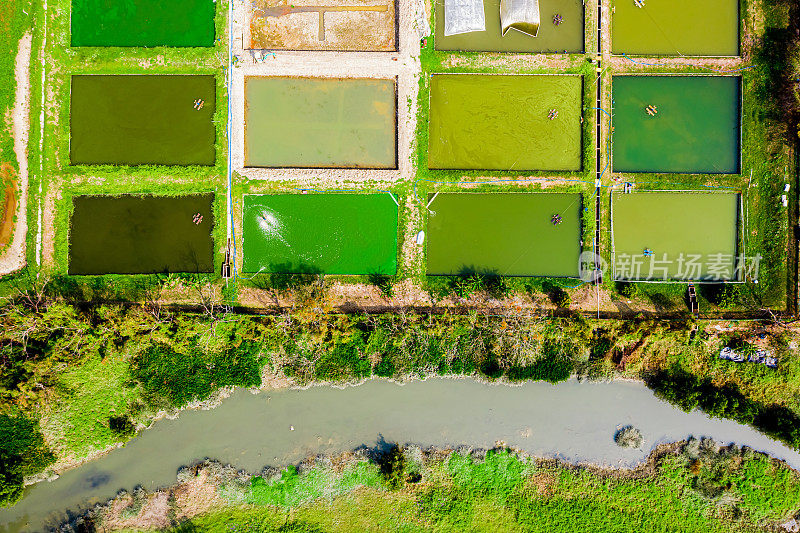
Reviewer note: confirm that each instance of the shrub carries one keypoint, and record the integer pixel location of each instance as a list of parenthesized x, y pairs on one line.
[(184, 377), (23, 452), (344, 360), (383, 283), (392, 463), (691, 392), (629, 437), (122, 426), (551, 369), (557, 295)]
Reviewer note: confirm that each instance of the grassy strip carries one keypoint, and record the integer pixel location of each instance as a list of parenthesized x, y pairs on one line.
[(693, 487), (13, 24)]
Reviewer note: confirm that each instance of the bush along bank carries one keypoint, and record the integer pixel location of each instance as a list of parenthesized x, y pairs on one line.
[(22, 453), (690, 486)]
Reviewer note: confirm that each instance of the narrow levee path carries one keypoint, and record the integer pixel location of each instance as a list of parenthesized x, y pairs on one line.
[(599, 153)]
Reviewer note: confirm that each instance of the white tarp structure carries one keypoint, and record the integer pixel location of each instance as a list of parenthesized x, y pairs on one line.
[(521, 15), (423, 26), (463, 16)]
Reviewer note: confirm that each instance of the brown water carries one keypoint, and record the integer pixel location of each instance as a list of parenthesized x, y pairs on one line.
[(573, 421), (320, 122)]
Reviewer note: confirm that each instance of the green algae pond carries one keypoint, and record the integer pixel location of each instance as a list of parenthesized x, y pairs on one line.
[(503, 122), (692, 235), (143, 23), (142, 120), (320, 233), (676, 28), (695, 129), (141, 234), (508, 234), (567, 36), (320, 122)]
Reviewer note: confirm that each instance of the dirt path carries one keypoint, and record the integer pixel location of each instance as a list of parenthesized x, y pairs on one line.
[(9, 179), (14, 257)]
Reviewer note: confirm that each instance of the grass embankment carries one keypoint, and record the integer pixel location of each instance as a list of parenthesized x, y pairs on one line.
[(92, 375), (13, 24), (693, 487)]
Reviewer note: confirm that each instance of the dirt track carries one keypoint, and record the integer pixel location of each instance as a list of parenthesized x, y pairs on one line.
[(13, 258)]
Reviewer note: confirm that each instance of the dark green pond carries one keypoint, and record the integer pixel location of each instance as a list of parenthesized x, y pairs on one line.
[(695, 129), (567, 36), (509, 234), (141, 234), (141, 120)]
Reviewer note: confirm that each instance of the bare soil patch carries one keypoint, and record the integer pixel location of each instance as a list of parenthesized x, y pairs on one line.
[(364, 25), (13, 258), (8, 178)]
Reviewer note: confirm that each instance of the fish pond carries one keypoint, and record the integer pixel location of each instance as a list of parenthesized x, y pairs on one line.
[(692, 235), (676, 28), (676, 124), (142, 120), (505, 122), (141, 234), (320, 122), (320, 233), (573, 421), (508, 234), (142, 23), (566, 36)]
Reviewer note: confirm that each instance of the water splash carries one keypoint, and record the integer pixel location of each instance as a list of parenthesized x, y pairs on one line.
[(271, 225)]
